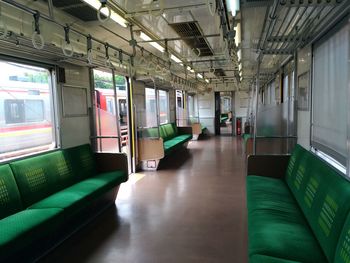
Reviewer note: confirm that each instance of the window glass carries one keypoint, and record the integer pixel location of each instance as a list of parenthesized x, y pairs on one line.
[(151, 110), (163, 106), (191, 109), (26, 110), (330, 100)]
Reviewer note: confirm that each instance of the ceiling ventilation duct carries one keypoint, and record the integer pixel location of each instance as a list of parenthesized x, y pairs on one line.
[(77, 8), (192, 36)]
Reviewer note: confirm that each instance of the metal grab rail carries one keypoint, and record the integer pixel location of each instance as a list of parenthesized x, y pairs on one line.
[(104, 137), (277, 137)]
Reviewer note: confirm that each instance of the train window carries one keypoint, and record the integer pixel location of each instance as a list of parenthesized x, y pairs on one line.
[(26, 110), (151, 112), (163, 106), (191, 108), (34, 110), (330, 100), (120, 82)]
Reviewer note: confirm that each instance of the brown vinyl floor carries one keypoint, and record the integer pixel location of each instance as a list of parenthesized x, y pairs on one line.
[(191, 210)]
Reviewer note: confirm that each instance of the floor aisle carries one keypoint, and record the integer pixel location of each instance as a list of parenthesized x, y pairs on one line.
[(191, 210)]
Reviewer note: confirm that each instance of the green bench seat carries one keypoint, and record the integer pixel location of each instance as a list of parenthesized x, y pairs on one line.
[(223, 117), (299, 216), (21, 229), (39, 194), (172, 139)]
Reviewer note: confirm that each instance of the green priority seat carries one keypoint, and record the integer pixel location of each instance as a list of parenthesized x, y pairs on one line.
[(79, 195), (276, 224), (23, 228)]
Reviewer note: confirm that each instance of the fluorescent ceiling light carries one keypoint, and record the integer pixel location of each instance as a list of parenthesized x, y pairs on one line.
[(238, 37), (154, 44), (233, 6), (114, 16), (239, 54), (207, 80), (240, 67), (176, 59), (190, 69), (199, 75)]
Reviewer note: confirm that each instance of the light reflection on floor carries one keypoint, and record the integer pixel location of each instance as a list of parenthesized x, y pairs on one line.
[(126, 188)]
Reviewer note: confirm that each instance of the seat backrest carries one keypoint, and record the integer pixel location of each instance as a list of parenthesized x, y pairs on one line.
[(163, 133), (40, 176), (322, 194), (152, 132), (10, 200), (342, 254), (82, 160), (169, 130)]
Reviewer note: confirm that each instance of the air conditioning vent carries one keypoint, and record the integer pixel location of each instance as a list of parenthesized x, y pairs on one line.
[(192, 29), (77, 8), (219, 72)]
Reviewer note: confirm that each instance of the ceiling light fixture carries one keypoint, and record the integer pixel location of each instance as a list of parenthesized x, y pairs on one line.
[(239, 55), (176, 59), (233, 6), (145, 37), (199, 75), (190, 69), (96, 4), (238, 37)]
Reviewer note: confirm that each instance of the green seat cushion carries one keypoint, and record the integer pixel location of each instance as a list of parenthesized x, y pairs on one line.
[(342, 254), (79, 195), (270, 193), (40, 176), (269, 259), (171, 145), (82, 160), (183, 138), (276, 224), (10, 200), (24, 228)]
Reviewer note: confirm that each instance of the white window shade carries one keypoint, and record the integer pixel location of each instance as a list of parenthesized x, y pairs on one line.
[(330, 100)]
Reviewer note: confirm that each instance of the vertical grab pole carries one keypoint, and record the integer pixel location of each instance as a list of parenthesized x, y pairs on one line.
[(116, 105), (157, 106), (256, 104)]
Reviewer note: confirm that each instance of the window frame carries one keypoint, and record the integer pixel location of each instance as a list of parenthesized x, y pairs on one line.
[(55, 109)]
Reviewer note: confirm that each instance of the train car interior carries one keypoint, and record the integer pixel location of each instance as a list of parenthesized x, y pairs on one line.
[(175, 131)]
